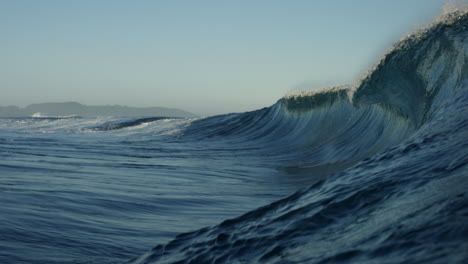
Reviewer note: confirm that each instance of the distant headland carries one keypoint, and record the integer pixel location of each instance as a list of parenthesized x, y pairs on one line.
[(74, 108)]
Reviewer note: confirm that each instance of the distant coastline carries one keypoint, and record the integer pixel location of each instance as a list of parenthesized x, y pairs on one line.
[(74, 108)]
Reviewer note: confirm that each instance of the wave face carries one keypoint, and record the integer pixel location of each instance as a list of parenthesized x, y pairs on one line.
[(319, 133), (392, 160)]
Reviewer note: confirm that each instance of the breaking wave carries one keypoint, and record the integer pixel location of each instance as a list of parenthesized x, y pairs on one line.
[(394, 148)]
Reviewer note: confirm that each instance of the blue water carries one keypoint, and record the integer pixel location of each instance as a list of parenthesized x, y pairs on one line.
[(375, 173)]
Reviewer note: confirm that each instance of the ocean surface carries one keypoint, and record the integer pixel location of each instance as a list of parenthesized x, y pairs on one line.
[(371, 173)]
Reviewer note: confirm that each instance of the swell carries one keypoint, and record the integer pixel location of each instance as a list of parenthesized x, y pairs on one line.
[(406, 199), (115, 125), (407, 204)]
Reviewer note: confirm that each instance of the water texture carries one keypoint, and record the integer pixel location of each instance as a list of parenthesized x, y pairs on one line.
[(372, 173)]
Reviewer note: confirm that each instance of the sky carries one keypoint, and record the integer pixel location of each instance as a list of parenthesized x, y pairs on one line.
[(208, 57)]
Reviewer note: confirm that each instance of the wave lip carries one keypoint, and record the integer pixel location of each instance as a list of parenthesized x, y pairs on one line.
[(307, 101)]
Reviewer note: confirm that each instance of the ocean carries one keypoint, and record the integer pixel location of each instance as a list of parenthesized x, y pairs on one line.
[(375, 172)]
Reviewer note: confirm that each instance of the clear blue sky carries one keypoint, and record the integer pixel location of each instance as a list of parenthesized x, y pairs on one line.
[(203, 56)]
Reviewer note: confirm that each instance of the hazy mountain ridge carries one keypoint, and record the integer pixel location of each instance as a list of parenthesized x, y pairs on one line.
[(74, 108)]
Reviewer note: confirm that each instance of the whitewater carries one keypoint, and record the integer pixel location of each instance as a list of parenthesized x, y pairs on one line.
[(375, 172)]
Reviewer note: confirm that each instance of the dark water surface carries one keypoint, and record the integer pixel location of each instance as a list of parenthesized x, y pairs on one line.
[(73, 193)]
